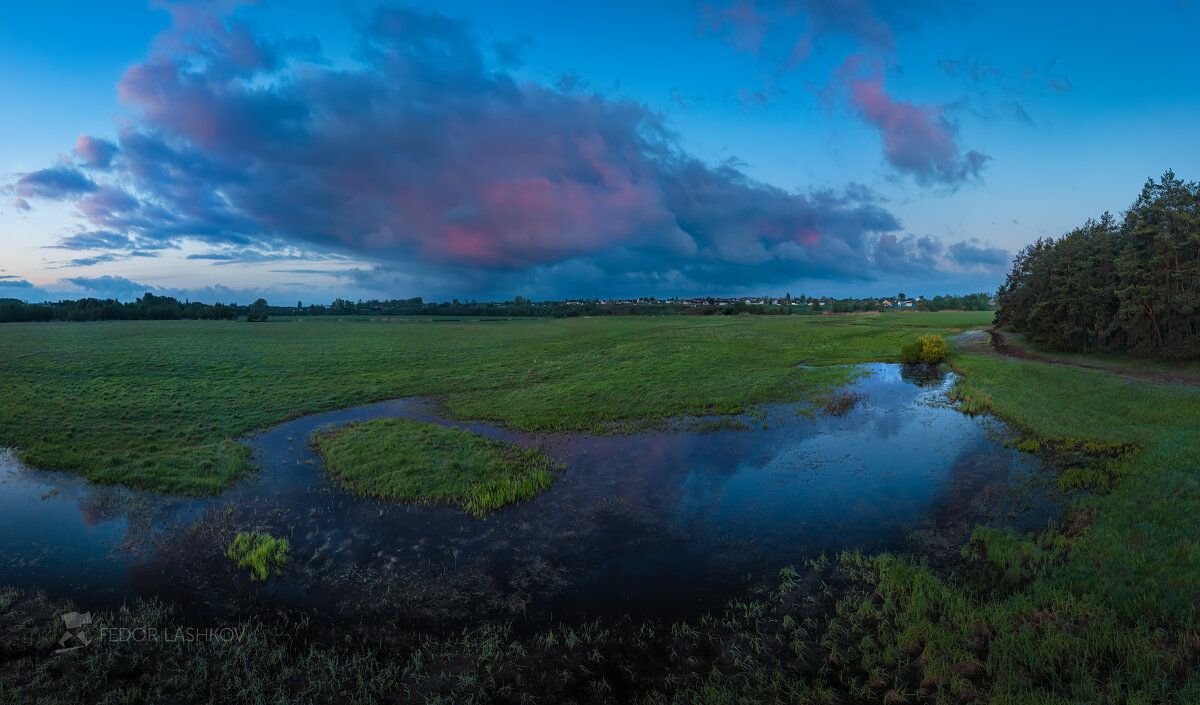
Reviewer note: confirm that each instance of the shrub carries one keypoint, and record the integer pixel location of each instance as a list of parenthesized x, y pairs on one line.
[(929, 349)]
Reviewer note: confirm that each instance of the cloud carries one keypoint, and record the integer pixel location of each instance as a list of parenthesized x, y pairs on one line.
[(109, 287), (94, 260), (570, 82), (123, 289), (1062, 85), (918, 139), (510, 54), (21, 204), (993, 94), (791, 30), (54, 183), (431, 164), (95, 153), (95, 240), (910, 255), (972, 254)]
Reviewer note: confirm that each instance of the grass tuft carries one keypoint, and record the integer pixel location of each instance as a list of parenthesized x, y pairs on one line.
[(260, 553)]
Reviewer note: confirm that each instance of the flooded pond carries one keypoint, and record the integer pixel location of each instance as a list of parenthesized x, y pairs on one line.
[(665, 523)]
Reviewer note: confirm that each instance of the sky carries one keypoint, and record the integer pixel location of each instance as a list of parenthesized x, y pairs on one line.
[(301, 151)]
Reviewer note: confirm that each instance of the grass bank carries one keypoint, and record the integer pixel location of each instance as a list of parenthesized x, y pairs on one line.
[(159, 404), (422, 462), (1139, 551)]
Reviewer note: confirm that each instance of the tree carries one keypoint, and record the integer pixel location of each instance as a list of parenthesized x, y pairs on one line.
[(1131, 286)]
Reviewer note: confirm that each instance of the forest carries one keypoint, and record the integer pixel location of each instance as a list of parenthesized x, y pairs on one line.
[(1129, 285)]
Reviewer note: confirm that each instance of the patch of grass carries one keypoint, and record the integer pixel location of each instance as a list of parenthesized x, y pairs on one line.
[(837, 403), (259, 553), (973, 401), (423, 462), (159, 404)]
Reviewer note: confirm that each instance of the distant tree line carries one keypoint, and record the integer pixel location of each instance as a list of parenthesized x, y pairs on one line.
[(1130, 285), (148, 307), (151, 307)]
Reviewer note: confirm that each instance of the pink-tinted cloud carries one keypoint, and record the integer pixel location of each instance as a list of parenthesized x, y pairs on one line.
[(918, 140), (95, 153), (21, 204)]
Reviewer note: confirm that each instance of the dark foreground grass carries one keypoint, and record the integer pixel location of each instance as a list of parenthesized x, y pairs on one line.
[(159, 404), (870, 630), (422, 462)]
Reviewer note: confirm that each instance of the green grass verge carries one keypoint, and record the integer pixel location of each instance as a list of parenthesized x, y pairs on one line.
[(422, 462), (159, 404), (1140, 554), (259, 553)]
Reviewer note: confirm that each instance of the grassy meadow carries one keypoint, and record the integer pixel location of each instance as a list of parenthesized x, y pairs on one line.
[(159, 404), (1100, 607)]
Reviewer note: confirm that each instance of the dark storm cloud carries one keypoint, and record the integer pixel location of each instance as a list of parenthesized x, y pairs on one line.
[(908, 254), (426, 159)]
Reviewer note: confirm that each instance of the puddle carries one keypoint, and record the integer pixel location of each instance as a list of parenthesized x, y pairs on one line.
[(665, 523)]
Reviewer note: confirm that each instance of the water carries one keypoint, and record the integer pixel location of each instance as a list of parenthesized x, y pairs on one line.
[(663, 523)]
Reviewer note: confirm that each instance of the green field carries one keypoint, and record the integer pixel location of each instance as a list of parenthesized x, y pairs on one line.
[(422, 462), (159, 405), (1101, 607)]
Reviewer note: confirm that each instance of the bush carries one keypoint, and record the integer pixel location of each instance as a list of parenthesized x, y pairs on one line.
[(929, 349)]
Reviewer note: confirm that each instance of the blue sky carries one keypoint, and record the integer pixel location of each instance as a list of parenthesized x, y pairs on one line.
[(298, 150)]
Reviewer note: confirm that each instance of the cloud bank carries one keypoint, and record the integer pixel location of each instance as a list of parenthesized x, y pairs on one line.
[(436, 165)]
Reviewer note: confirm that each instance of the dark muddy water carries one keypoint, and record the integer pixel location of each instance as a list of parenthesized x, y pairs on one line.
[(664, 523)]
